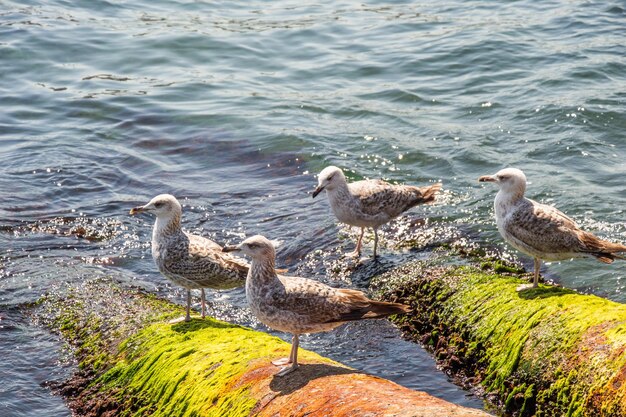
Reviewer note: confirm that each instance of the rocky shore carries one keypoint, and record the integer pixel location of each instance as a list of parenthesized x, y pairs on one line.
[(132, 362), (543, 352)]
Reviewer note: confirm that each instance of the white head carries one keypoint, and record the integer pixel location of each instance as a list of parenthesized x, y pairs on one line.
[(511, 181), (163, 206), (330, 178), (256, 247)]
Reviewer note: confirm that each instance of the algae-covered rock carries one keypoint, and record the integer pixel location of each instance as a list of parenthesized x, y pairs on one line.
[(547, 352), (134, 363)]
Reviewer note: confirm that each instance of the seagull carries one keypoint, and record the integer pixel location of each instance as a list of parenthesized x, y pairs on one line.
[(542, 231), (369, 203), (300, 305), (188, 260)]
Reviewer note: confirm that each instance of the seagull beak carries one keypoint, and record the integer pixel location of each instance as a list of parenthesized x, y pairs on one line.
[(317, 190), (230, 248), (136, 210), (487, 178)]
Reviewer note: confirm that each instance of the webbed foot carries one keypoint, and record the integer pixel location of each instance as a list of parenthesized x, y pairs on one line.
[(281, 362), (287, 370)]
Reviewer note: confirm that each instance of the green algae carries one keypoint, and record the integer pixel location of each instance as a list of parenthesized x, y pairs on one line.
[(96, 316), (187, 369), (546, 351), (133, 362)]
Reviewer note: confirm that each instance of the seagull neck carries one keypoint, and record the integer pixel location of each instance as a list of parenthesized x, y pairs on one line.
[(341, 192), (506, 199), (166, 226), (262, 271)]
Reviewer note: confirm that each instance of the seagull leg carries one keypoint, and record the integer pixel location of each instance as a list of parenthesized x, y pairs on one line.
[(285, 361), (535, 283), (295, 343), (537, 266), (293, 357), (188, 316), (203, 302), (357, 251), (375, 241)]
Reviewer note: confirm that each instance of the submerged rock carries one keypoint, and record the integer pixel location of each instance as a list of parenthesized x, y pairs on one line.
[(132, 362), (545, 352)]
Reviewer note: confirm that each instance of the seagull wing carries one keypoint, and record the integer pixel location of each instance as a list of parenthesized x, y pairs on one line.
[(319, 303), (202, 250), (311, 300), (544, 228), (202, 261), (378, 196)]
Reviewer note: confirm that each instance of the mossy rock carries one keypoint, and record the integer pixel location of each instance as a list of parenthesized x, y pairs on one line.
[(133, 362), (545, 352)]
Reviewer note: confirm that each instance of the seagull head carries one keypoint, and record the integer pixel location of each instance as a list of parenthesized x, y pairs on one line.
[(510, 180), (256, 247), (162, 206), (329, 179)]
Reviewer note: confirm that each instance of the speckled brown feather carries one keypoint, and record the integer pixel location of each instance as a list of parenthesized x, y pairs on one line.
[(547, 230), (378, 196), (195, 262), (362, 307), (603, 250), (301, 305)]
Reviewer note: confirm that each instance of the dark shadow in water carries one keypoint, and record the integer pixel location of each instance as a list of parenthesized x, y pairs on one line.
[(198, 324), (367, 268), (544, 292), (289, 383)]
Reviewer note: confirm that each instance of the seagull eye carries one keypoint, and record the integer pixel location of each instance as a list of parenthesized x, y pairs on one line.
[(330, 177), (157, 205)]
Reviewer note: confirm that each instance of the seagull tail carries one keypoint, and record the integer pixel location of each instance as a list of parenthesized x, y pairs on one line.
[(361, 307), (603, 250), (428, 193), (380, 309), (608, 257), (606, 251), (615, 247)]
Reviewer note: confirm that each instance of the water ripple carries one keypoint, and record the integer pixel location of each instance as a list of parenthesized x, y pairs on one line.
[(235, 106)]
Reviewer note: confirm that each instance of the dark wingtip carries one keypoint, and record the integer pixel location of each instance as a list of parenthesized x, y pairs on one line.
[(384, 309), (404, 309), (607, 258)]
